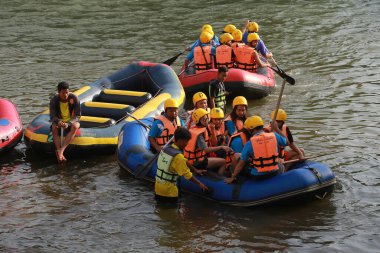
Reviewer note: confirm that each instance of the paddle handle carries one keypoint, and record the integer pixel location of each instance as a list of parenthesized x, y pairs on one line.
[(142, 123), (62, 136), (278, 103)]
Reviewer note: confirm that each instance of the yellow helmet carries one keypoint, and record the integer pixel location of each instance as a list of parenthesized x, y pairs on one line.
[(253, 27), (225, 37), (198, 97), (281, 115), (239, 100), (209, 31), (205, 37), (216, 113), (229, 28), (238, 35), (206, 26), (253, 122), (170, 103), (198, 114), (253, 36)]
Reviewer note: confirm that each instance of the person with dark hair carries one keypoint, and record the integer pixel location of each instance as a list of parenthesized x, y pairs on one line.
[(171, 164), (260, 153), (64, 114), (217, 90), (235, 120)]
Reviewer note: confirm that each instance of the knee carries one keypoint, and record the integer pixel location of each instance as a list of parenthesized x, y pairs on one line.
[(75, 125)]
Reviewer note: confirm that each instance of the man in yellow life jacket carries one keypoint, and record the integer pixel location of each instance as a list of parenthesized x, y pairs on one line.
[(164, 125), (217, 90), (65, 112), (171, 164), (260, 152), (235, 120), (246, 57), (197, 149), (291, 151), (224, 53)]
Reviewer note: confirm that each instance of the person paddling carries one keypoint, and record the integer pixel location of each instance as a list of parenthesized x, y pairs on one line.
[(171, 164), (253, 27), (64, 114)]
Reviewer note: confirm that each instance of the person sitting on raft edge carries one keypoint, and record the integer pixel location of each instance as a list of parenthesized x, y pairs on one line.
[(170, 165), (64, 114)]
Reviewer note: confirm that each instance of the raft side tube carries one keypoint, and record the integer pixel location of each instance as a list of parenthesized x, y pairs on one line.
[(88, 122), (135, 98), (106, 110)]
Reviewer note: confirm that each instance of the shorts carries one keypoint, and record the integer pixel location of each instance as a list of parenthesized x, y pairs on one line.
[(201, 165), (286, 155), (166, 201)]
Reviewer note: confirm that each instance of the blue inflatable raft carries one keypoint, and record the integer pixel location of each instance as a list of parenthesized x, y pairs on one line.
[(137, 91), (307, 180)]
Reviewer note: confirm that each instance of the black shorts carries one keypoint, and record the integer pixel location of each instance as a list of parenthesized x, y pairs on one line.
[(162, 200), (201, 165)]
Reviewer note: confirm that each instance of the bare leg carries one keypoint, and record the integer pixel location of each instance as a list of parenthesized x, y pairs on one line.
[(291, 156), (57, 141), (68, 139), (219, 163)]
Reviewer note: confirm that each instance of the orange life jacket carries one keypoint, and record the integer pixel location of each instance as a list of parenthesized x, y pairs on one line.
[(244, 58), (219, 134), (224, 56), (234, 45), (268, 129), (241, 135), (265, 154), (202, 58), (191, 151), (168, 131), (239, 124)]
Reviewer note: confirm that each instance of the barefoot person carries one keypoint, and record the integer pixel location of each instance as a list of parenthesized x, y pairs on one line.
[(64, 113)]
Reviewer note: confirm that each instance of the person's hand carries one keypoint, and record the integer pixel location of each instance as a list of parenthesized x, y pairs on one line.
[(227, 149), (212, 126), (199, 172), (187, 49), (229, 180), (60, 124), (301, 158), (247, 22), (203, 187)]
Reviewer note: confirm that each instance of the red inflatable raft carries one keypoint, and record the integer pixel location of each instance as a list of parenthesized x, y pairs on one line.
[(10, 125), (238, 81)]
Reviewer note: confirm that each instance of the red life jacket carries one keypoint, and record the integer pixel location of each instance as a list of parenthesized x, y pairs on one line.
[(168, 131), (224, 56), (244, 58), (191, 151), (202, 58), (265, 155)]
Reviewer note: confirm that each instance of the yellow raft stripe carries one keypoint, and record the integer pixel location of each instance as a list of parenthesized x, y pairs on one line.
[(81, 141), (94, 119), (152, 105), (105, 105), (124, 92), (82, 90)]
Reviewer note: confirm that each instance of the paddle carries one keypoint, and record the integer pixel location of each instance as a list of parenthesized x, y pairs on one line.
[(309, 157), (282, 73), (170, 61), (140, 173), (61, 137), (139, 121)]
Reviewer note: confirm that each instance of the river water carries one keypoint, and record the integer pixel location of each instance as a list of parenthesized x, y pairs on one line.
[(89, 204)]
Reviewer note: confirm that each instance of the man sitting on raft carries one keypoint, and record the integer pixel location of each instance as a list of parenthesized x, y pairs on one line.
[(64, 115)]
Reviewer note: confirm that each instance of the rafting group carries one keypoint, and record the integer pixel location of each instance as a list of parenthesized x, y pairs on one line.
[(210, 142), (234, 48)]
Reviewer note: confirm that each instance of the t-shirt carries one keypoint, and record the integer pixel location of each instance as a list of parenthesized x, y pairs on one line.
[(230, 126), (65, 112), (178, 166), (261, 48)]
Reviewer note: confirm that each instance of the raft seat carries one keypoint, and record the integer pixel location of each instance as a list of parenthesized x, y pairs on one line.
[(106, 110), (88, 121), (135, 98)]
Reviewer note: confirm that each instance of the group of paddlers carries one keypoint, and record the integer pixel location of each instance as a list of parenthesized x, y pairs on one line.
[(234, 48), (229, 146)]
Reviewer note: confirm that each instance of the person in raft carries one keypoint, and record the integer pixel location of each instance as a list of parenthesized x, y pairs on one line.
[(217, 133), (64, 114), (235, 120), (253, 27), (164, 125), (292, 151), (170, 165), (199, 101), (196, 150), (217, 90), (260, 153)]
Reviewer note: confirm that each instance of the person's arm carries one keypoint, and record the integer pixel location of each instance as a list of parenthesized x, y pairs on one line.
[(215, 149), (211, 93), (154, 132), (77, 111), (240, 165), (258, 61), (244, 28), (213, 139), (154, 144), (195, 170), (292, 145), (199, 183), (52, 111)]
